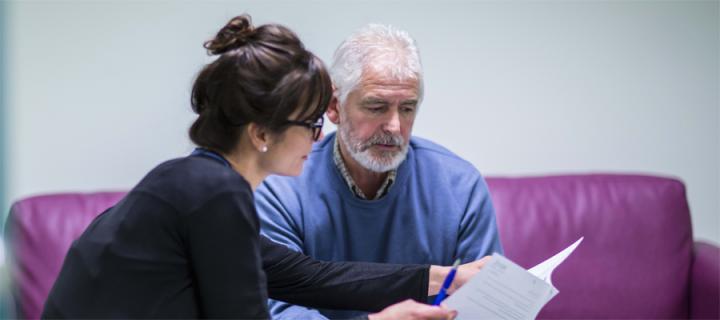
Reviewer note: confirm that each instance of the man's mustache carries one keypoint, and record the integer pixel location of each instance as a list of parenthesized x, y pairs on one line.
[(385, 139)]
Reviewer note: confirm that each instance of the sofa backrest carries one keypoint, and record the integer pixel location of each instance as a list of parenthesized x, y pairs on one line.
[(39, 232), (636, 256), (633, 263)]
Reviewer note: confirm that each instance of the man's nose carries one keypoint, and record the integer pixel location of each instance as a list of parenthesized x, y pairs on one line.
[(393, 122)]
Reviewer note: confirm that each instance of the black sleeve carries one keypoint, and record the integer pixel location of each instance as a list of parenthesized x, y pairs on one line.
[(298, 279), (223, 242)]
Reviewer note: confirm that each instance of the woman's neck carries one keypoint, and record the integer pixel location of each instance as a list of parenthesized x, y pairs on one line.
[(245, 162)]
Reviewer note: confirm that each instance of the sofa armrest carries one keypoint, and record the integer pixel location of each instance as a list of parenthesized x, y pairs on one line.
[(705, 282)]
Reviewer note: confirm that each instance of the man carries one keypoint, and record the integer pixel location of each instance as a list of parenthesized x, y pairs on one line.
[(370, 192)]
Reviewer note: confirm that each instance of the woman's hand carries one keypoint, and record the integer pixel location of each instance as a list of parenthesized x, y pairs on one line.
[(463, 275), (411, 310)]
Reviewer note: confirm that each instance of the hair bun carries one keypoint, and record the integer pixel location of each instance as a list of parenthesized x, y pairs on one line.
[(234, 34)]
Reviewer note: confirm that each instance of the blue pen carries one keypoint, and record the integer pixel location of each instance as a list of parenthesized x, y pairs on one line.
[(446, 285)]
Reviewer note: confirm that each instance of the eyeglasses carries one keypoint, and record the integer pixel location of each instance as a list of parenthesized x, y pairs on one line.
[(316, 126)]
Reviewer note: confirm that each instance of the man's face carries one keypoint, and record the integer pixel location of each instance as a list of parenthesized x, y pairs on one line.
[(376, 120)]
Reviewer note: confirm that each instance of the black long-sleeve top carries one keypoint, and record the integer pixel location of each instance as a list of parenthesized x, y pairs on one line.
[(185, 243)]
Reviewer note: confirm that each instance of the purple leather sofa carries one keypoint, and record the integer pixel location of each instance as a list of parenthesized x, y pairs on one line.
[(638, 259), (38, 234)]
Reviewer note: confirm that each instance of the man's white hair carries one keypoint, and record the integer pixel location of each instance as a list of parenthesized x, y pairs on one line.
[(377, 47)]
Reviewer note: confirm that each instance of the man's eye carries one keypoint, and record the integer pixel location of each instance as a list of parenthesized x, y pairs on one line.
[(408, 109), (374, 109)]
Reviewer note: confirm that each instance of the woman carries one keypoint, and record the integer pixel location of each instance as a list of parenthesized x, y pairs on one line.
[(184, 242)]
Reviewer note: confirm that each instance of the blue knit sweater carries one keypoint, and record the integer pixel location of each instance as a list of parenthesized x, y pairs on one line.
[(438, 209)]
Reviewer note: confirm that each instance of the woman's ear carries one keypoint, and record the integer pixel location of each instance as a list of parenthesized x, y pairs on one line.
[(259, 136)]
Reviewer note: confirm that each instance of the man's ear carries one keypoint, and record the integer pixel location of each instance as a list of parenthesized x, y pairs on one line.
[(258, 135), (333, 113)]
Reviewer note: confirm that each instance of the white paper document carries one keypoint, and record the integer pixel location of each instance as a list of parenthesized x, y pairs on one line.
[(504, 290)]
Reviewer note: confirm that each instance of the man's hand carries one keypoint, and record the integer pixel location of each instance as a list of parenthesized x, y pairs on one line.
[(467, 271), (463, 275), (411, 310)]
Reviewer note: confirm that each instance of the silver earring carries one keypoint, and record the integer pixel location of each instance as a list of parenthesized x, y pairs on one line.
[(263, 149)]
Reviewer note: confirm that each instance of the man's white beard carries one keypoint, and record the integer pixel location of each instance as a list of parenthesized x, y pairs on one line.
[(361, 152)]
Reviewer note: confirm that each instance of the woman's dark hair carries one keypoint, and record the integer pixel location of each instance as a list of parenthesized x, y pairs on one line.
[(263, 75)]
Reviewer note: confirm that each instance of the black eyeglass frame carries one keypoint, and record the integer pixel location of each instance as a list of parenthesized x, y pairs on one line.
[(316, 127)]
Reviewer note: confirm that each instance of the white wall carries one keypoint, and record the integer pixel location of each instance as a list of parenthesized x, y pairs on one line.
[(99, 90)]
